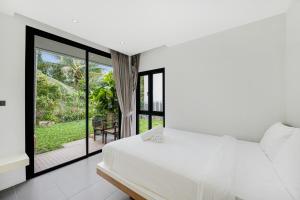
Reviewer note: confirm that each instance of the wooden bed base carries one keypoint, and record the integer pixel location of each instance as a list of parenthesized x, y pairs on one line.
[(132, 194)]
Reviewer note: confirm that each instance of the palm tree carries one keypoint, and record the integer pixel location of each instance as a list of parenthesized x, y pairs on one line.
[(76, 66)]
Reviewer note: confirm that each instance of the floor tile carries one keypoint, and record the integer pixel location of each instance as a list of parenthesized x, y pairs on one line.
[(43, 182), (98, 191), (8, 194), (92, 164), (74, 178), (29, 192), (75, 182), (118, 195)]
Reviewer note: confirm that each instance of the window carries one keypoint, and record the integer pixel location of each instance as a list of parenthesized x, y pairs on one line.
[(150, 105)]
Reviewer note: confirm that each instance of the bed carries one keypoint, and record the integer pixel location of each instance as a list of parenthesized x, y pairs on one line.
[(191, 166)]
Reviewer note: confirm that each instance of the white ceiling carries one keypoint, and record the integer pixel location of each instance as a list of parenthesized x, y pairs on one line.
[(144, 24)]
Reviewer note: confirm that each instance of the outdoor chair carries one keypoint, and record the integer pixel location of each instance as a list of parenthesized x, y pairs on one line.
[(114, 130), (98, 126), (104, 127)]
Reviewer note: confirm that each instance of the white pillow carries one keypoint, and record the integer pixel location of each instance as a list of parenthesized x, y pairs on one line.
[(274, 137), (287, 164), (155, 135)]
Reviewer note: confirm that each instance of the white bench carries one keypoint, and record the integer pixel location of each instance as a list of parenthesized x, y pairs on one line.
[(12, 170), (9, 163)]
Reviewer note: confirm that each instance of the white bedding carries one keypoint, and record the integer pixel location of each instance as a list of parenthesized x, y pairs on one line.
[(256, 178), (178, 168)]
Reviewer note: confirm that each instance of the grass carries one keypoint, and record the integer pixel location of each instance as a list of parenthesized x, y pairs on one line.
[(143, 126), (53, 137)]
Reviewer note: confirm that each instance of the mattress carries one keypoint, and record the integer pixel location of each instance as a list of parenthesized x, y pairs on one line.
[(173, 169)]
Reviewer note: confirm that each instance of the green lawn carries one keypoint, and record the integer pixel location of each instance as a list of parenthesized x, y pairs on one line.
[(53, 137), (144, 124)]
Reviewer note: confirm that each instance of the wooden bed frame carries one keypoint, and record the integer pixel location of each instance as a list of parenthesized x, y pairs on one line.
[(132, 194)]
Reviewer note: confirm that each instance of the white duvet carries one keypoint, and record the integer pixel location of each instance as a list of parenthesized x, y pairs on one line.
[(185, 167), (217, 182), (193, 166)]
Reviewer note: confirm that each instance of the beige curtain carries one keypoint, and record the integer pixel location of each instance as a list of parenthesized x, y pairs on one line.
[(135, 63), (126, 79)]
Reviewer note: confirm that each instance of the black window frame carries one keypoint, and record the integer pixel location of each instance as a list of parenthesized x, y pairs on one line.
[(30, 95), (150, 111)]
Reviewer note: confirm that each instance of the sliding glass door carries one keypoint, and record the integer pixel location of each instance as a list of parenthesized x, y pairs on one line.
[(60, 103), (150, 100), (71, 104)]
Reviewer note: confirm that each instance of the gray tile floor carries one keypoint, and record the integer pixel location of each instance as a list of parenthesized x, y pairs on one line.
[(78, 181)]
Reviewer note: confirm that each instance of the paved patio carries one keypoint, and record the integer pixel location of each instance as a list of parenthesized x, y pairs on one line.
[(70, 151)]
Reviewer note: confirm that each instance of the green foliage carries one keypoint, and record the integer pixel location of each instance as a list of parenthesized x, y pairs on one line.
[(61, 90), (74, 69), (47, 99), (54, 103), (61, 97), (69, 70), (67, 78), (103, 97), (72, 107), (52, 70)]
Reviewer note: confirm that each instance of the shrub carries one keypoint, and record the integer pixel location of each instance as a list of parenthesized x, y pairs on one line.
[(47, 99), (103, 97)]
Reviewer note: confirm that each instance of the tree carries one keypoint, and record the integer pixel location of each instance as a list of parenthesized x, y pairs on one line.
[(61, 87), (73, 69), (104, 98), (68, 70)]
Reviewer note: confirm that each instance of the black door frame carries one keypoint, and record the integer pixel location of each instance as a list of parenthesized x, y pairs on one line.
[(30, 96), (150, 111)]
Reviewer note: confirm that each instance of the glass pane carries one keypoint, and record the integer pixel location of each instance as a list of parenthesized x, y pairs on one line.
[(143, 123), (157, 121), (103, 103), (144, 92), (60, 128), (157, 92)]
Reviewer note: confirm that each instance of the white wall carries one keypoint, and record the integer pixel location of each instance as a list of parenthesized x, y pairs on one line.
[(293, 65), (12, 87), (227, 83)]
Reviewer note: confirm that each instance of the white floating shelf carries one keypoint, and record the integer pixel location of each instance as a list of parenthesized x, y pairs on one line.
[(12, 162)]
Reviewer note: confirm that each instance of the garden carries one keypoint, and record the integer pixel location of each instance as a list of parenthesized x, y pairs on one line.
[(61, 99)]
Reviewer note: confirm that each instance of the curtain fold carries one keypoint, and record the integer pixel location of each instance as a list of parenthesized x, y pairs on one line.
[(125, 76), (135, 63)]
